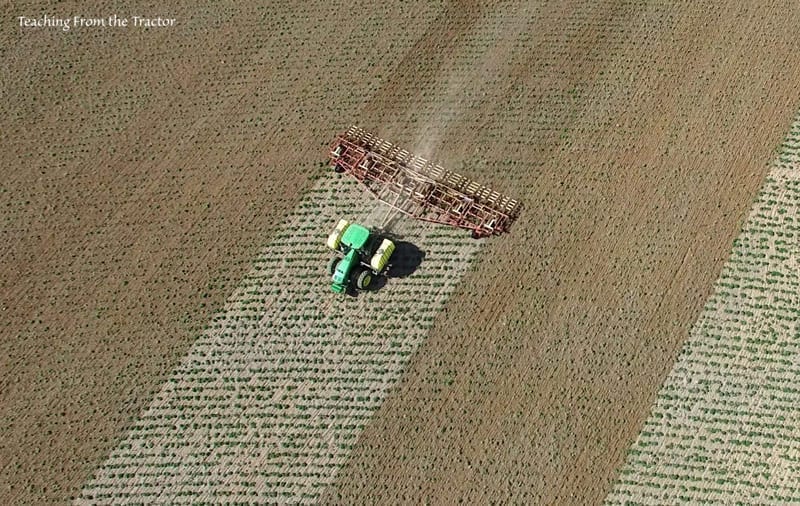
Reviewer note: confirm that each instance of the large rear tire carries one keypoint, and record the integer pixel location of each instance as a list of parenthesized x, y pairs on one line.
[(363, 280), (332, 263)]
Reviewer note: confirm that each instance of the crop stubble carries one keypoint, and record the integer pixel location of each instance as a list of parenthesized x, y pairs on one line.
[(647, 130), (271, 398), (723, 428)]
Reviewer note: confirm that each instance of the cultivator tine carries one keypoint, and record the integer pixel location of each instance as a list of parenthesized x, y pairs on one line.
[(419, 188)]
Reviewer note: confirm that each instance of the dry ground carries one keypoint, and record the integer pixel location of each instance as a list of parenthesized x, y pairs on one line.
[(143, 171), (270, 399), (724, 427), (564, 333)]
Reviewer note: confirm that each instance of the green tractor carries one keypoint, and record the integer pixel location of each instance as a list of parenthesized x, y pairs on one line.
[(361, 255)]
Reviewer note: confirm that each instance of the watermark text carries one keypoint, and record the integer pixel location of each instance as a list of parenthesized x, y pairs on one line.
[(80, 22)]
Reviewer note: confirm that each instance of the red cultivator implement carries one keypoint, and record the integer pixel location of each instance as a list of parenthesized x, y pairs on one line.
[(418, 188)]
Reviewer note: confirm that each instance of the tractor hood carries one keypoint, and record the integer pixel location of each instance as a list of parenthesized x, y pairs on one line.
[(341, 275)]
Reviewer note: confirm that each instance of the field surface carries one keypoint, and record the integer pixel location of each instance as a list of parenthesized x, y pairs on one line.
[(271, 398), (147, 173), (648, 129), (724, 426)]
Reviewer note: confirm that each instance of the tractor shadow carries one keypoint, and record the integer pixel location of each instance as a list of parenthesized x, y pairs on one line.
[(406, 259)]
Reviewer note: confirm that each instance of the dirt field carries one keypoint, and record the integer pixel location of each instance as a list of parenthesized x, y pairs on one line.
[(721, 430), (142, 173), (144, 170), (564, 333), (270, 399)]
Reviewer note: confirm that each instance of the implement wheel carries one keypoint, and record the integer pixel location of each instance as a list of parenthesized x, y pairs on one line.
[(332, 263), (363, 280)]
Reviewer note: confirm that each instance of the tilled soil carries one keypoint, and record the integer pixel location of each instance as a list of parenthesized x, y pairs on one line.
[(721, 429), (143, 170), (563, 333)]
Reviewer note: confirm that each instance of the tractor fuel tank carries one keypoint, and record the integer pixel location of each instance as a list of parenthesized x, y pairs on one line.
[(381, 257), (336, 236)]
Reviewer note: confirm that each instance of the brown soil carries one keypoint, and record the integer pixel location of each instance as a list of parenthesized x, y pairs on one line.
[(562, 335), (142, 171)]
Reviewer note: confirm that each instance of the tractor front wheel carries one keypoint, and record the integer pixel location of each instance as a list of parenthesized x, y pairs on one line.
[(332, 265), (363, 280)]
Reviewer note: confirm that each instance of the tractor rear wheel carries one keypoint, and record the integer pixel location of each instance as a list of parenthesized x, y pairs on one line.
[(363, 280), (332, 263)]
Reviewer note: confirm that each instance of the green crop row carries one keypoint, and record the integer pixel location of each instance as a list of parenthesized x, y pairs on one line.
[(284, 379), (723, 428)]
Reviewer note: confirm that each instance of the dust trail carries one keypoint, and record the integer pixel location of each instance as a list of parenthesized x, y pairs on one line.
[(469, 75), (724, 428), (271, 398)]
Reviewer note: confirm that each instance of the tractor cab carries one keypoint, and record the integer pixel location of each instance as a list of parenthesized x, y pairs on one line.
[(361, 254)]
